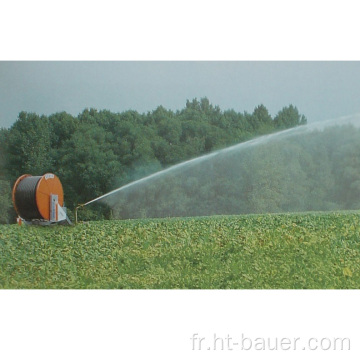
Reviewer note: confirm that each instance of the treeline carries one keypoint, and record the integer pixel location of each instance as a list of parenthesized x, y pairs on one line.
[(98, 151)]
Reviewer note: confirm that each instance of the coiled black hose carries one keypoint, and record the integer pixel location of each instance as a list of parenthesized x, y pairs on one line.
[(25, 198)]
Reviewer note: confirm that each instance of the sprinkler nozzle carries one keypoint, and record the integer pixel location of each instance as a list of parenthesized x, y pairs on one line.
[(76, 210)]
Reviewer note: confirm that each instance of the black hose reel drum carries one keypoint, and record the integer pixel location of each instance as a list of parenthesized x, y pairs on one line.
[(39, 200)]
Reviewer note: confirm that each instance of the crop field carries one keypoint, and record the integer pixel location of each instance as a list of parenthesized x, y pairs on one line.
[(279, 251)]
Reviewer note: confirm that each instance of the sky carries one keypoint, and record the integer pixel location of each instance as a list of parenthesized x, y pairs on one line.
[(320, 89)]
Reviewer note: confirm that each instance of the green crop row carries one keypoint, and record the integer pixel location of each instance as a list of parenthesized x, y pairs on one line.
[(281, 251)]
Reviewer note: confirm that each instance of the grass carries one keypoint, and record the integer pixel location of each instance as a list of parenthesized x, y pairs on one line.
[(274, 251)]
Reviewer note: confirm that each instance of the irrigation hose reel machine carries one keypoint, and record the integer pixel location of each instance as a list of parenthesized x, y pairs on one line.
[(39, 200)]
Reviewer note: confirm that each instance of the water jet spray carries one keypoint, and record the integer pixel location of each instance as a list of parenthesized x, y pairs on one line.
[(265, 174)]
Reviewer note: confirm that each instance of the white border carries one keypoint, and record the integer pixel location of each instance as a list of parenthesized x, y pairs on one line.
[(179, 30), (159, 324)]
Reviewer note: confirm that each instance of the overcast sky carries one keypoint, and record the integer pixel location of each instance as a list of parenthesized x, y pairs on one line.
[(320, 90)]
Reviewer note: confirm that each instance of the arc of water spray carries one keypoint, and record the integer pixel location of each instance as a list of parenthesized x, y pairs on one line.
[(255, 141), (184, 163), (161, 172)]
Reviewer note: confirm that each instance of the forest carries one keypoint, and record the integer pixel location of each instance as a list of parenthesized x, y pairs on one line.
[(98, 151)]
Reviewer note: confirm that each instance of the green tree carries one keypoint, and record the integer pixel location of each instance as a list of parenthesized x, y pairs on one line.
[(3, 152), (5, 201), (263, 122), (88, 165), (62, 126), (28, 146), (289, 117), (5, 188)]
